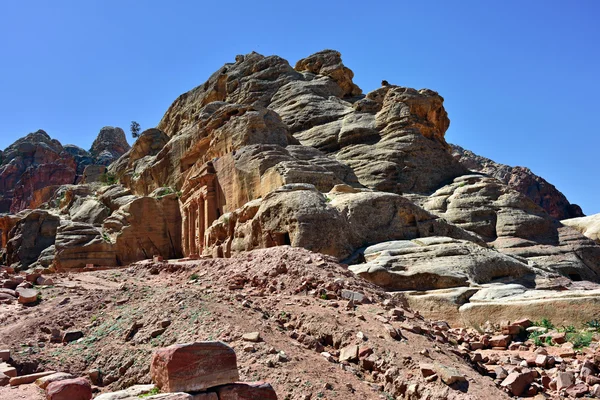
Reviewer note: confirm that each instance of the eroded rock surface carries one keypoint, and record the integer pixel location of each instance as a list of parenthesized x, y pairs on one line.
[(522, 180)]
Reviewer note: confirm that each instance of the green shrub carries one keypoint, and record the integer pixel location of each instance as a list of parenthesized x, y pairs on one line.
[(153, 392), (109, 179), (593, 324), (580, 339), (544, 323)]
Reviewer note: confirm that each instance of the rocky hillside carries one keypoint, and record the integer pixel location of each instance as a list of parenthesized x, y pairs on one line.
[(265, 155), (33, 167), (522, 180)]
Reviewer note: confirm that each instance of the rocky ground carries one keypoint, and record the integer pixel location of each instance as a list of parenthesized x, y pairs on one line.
[(323, 333)]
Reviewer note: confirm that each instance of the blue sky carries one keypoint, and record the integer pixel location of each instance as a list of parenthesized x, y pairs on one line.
[(520, 78)]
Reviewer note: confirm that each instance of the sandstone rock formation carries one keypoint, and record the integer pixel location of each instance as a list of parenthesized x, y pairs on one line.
[(109, 145), (522, 180), (263, 154), (437, 263), (30, 164), (588, 226), (33, 167)]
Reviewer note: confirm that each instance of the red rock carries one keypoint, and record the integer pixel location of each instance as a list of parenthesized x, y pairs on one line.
[(511, 329), (247, 391), (559, 338), (427, 370), (25, 379), (517, 382), (8, 370), (349, 353), (525, 323), (541, 361), (27, 296), (364, 352), (578, 390), (564, 380), (500, 341), (69, 389), (4, 380), (193, 366)]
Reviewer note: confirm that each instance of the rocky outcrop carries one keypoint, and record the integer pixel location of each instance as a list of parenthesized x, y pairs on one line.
[(522, 180), (329, 63), (33, 167), (109, 145), (515, 225), (437, 263), (337, 224), (34, 232), (30, 164), (589, 226), (145, 227), (80, 244)]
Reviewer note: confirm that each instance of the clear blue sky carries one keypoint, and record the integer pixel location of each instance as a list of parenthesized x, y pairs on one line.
[(520, 78)]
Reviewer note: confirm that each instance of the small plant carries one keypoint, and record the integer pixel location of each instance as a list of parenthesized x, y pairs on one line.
[(152, 392), (194, 277), (535, 337), (105, 237), (544, 323), (593, 324), (165, 192), (580, 339), (568, 329), (323, 296), (109, 179), (39, 297)]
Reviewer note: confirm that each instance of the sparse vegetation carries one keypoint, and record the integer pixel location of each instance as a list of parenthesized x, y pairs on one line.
[(580, 339), (593, 325), (135, 129), (153, 392), (544, 323), (108, 178)]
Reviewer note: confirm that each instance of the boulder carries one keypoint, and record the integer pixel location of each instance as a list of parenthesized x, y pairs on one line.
[(43, 382), (517, 383), (79, 244), (329, 63), (193, 366), (246, 391), (69, 389), (71, 336), (27, 296)]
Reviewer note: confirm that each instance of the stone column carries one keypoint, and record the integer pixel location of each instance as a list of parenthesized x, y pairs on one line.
[(193, 228), (185, 228), (200, 231), (210, 209)]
